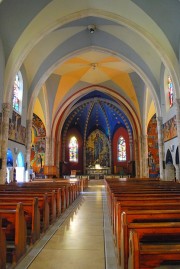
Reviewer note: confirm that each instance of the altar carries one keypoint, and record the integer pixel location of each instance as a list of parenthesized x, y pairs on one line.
[(98, 171)]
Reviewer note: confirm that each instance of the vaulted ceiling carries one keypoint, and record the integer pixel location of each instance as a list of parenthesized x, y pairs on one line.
[(111, 76)]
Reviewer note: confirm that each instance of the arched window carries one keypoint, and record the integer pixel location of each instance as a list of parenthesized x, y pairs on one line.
[(170, 91), (9, 157), (18, 93), (121, 149), (73, 149)]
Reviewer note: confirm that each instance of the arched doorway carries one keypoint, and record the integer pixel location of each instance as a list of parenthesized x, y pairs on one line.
[(9, 165), (169, 167), (20, 167)]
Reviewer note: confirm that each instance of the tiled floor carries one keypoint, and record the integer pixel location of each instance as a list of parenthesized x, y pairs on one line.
[(81, 238)]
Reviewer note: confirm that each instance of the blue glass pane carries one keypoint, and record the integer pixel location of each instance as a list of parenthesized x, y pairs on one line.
[(20, 160), (9, 158)]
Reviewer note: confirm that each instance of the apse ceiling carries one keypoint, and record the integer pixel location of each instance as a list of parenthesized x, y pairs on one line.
[(97, 111)]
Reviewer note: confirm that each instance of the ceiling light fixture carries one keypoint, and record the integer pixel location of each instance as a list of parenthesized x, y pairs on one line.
[(93, 65), (91, 28)]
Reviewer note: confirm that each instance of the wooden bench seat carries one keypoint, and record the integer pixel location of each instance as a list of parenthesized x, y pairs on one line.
[(43, 206), (72, 186), (2, 247), (51, 198), (14, 225), (151, 244), (124, 206), (141, 216), (125, 196), (32, 215), (62, 193)]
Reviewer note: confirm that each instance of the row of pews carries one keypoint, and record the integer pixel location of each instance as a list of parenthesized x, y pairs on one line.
[(145, 217), (28, 209)]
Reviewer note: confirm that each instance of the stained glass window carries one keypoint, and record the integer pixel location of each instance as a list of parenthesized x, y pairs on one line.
[(18, 93), (170, 91), (121, 149), (73, 149)]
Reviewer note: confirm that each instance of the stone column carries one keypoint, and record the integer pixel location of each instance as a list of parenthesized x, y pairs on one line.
[(144, 150), (4, 141), (161, 147), (47, 151), (140, 155), (131, 150), (136, 158), (177, 103), (177, 173), (57, 152), (51, 156), (28, 144), (84, 157)]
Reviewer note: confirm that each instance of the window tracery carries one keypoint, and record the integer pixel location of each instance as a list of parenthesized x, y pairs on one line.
[(121, 149), (18, 93), (73, 149)]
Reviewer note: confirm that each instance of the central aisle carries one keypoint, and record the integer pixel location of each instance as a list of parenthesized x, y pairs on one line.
[(80, 239)]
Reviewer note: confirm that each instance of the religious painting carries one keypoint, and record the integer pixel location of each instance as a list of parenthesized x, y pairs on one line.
[(38, 145), (17, 132), (38, 125), (170, 91), (97, 149), (153, 151), (170, 129)]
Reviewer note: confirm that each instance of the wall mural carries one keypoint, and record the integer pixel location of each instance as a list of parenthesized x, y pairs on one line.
[(38, 146), (17, 132), (170, 129), (97, 149), (153, 151)]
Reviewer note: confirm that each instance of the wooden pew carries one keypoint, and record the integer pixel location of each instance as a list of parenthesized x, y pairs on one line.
[(46, 187), (124, 206), (15, 231), (124, 196), (63, 196), (141, 216), (38, 193), (32, 214), (132, 189), (43, 205), (151, 244), (2, 247)]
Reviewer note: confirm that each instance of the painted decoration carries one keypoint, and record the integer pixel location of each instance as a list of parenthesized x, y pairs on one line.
[(38, 126), (170, 129), (17, 132), (97, 149), (38, 146), (153, 151)]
